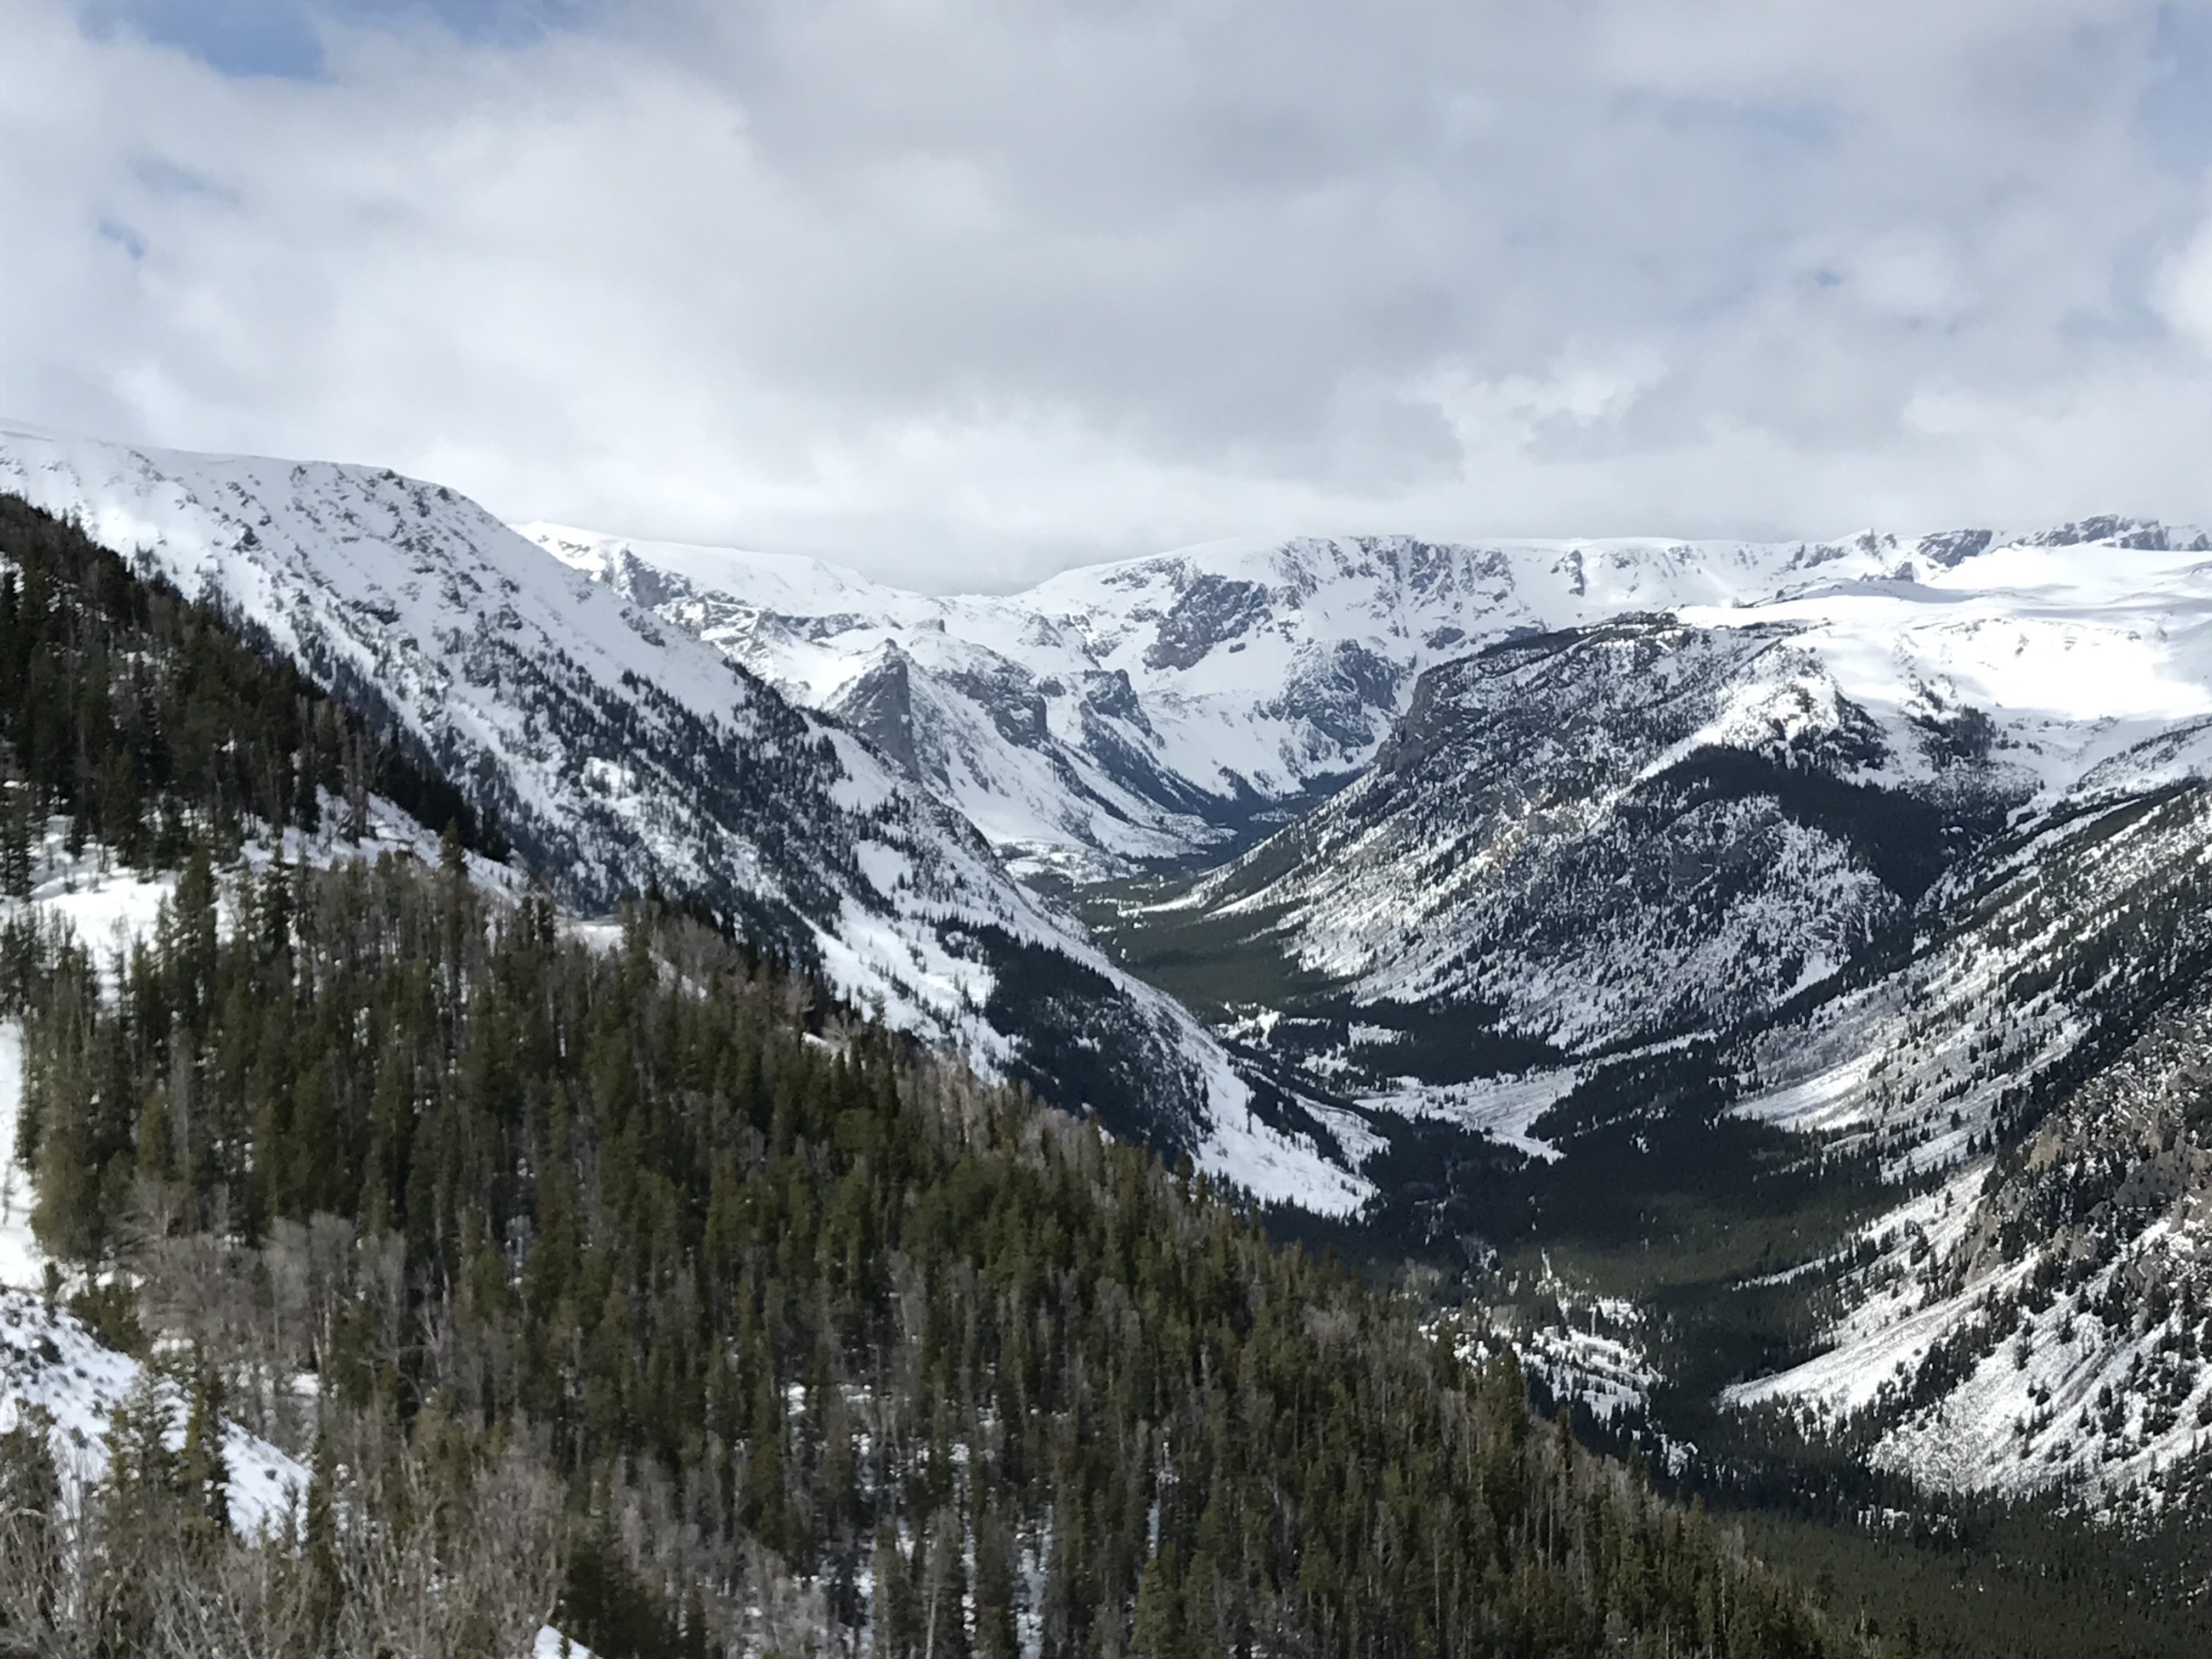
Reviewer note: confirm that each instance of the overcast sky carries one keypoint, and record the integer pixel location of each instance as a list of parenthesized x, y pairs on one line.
[(963, 293)]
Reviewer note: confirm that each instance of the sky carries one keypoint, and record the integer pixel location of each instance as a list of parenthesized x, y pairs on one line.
[(961, 292)]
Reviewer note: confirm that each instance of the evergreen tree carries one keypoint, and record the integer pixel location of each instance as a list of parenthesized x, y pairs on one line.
[(203, 1470)]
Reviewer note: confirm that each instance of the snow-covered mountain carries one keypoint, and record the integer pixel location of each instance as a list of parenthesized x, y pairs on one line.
[(1904, 845), (617, 753), (1669, 823), (1161, 706), (1912, 854), (1608, 793), (1165, 706)]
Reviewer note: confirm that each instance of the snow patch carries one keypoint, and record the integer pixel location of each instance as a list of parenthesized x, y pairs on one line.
[(22, 1264), (1503, 1108)]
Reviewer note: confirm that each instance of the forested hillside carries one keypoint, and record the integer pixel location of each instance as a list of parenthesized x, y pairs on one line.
[(814, 1334), (148, 722), (639, 1286)]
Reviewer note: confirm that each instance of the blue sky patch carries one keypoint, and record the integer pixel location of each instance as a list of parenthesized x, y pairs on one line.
[(283, 37)]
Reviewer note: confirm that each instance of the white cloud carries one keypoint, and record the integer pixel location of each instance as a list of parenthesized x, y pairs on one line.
[(2184, 291), (958, 290)]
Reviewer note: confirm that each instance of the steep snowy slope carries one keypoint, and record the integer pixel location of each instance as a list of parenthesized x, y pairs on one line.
[(618, 753), (1587, 831), (1671, 824), (2030, 969), (2044, 1318), (2036, 1318)]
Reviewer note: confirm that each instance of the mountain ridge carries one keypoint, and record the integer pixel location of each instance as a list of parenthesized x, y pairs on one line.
[(620, 755), (1168, 707)]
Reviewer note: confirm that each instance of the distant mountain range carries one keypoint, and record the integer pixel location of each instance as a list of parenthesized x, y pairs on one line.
[(1163, 707)]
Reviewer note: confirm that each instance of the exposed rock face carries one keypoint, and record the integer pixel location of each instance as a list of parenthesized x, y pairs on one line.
[(878, 704), (1209, 612)]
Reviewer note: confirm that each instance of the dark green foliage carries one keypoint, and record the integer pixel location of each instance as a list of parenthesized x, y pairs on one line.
[(843, 1309), (606, 1606), (137, 712), (203, 1472)]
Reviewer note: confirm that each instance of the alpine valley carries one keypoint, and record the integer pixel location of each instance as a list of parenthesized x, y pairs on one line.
[(1766, 988), (1779, 969)]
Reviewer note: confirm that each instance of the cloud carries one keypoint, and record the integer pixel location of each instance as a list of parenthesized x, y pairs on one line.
[(960, 292), (2184, 292)]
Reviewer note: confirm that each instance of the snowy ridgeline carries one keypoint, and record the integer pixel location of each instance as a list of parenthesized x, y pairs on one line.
[(617, 751), (1536, 824), (2049, 686), (1150, 707)]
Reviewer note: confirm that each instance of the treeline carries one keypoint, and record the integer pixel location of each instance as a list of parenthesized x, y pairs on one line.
[(825, 1343), (138, 713)]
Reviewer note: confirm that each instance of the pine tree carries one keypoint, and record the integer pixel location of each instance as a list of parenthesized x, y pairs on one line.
[(325, 1589), (30, 1547), (763, 1510), (17, 837), (943, 1573), (1157, 1631), (146, 1480), (204, 1470), (996, 1586), (898, 1622)]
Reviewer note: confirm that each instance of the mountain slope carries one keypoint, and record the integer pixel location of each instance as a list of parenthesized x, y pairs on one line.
[(1671, 825), (618, 755), (830, 1344), (826, 1346), (2037, 1317), (1616, 835), (2041, 1318)]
